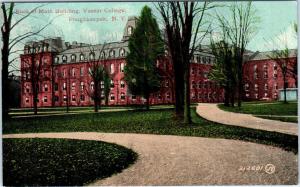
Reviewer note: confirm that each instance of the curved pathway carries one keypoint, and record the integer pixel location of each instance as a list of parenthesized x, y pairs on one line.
[(180, 160), (213, 113)]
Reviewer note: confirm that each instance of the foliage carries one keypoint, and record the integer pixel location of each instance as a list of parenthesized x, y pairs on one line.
[(60, 162), (150, 122), (145, 45)]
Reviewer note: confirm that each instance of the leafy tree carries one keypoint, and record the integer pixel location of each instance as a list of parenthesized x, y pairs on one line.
[(145, 45)]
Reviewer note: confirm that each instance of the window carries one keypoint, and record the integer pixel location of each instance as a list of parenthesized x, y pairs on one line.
[(122, 84), (199, 95), (81, 86), (168, 96), (73, 86), (133, 97), (81, 71), (73, 72), (159, 96), (65, 98), (246, 87), (73, 98), (122, 52), (112, 97), (112, 53), (167, 83), (247, 95), (266, 86), (275, 71), (122, 96), (255, 72), (73, 57), (92, 56), (255, 87), (193, 96), (27, 100), (129, 30), (256, 96), (265, 71), (27, 75), (64, 86), (102, 55), (64, 59), (193, 71), (112, 68), (112, 85), (56, 59), (56, 98), (276, 86), (45, 99), (46, 87), (27, 88), (82, 98), (275, 95), (199, 84), (102, 84), (81, 57), (92, 85), (122, 65), (205, 74), (193, 84)]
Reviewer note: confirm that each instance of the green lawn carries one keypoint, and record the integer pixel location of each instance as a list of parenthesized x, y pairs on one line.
[(275, 110), (60, 162), (150, 122)]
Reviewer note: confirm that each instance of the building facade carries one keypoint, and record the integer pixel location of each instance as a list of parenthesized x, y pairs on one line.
[(63, 74), (64, 77)]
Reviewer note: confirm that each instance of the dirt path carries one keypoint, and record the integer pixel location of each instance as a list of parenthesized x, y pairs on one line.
[(212, 112), (179, 160)]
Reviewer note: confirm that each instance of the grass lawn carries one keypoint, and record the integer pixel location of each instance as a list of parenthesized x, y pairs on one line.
[(149, 122), (275, 110), (37, 162)]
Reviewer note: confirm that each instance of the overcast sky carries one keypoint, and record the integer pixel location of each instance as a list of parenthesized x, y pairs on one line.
[(276, 21)]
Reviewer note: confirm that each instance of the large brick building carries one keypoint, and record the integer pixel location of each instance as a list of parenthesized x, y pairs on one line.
[(64, 75)]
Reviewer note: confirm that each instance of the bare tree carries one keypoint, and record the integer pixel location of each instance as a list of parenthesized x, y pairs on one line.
[(183, 22), (239, 27), (9, 43)]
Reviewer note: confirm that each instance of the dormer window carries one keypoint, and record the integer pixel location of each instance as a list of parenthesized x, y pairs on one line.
[(45, 47), (56, 59), (92, 56), (122, 52), (73, 57), (64, 59), (102, 55), (111, 53), (81, 57), (129, 30)]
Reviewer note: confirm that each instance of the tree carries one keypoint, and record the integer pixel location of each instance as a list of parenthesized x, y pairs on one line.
[(223, 70), (145, 46), (8, 44), (183, 21), (283, 60), (239, 27), (100, 79)]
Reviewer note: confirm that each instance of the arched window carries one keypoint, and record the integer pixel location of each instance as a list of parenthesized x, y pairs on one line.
[(112, 53), (46, 47), (92, 85), (73, 57), (112, 68), (46, 87), (122, 96), (81, 57), (122, 84), (122, 52), (122, 65), (129, 30), (102, 55), (112, 85), (64, 59), (92, 56)]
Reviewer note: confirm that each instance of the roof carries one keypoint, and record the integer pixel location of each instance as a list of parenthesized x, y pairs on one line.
[(266, 55)]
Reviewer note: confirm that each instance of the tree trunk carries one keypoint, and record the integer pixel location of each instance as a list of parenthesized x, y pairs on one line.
[(147, 101), (179, 90), (226, 95), (187, 109), (240, 81), (284, 87)]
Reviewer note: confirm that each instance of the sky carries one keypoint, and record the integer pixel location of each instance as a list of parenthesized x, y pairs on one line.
[(69, 21)]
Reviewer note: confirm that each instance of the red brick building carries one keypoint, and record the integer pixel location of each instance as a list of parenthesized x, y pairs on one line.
[(64, 75), (263, 77)]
